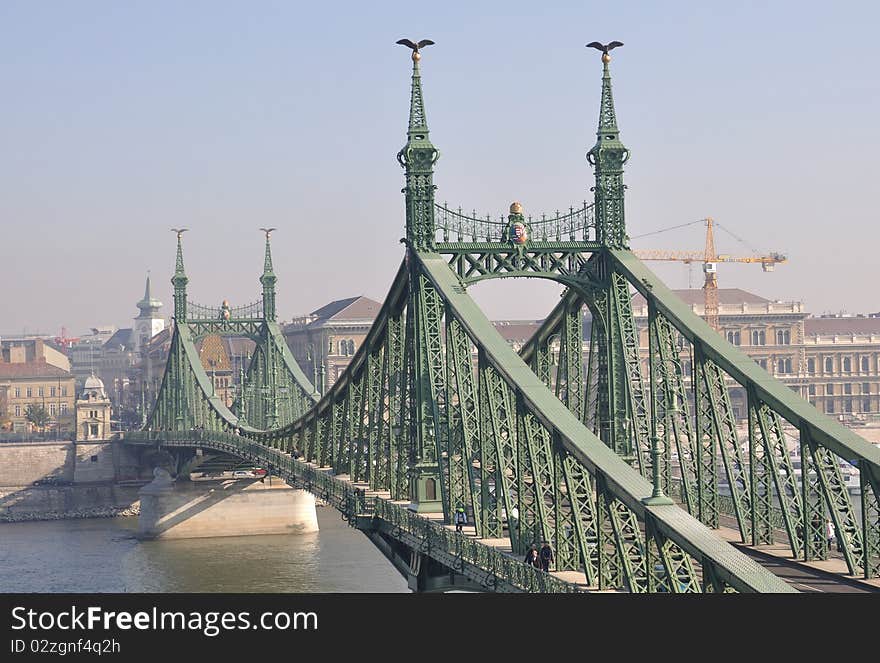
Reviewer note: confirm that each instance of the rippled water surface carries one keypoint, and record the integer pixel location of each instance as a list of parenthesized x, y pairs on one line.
[(102, 555)]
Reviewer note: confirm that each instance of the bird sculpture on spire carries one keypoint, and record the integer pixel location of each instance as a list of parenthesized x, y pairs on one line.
[(179, 231), (268, 231), (415, 46), (605, 48)]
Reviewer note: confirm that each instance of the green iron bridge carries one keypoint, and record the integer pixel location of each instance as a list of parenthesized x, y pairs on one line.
[(437, 411)]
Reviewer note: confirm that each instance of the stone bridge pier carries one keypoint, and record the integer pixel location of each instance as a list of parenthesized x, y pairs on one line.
[(223, 507)]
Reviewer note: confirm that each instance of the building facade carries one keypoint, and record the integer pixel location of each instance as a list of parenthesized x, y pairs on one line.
[(93, 411), (36, 384), (324, 342)]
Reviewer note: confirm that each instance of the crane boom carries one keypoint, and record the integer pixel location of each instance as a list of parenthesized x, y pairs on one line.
[(710, 258)]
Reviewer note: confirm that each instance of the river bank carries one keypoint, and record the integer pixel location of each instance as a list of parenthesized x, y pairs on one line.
[(36, 503)]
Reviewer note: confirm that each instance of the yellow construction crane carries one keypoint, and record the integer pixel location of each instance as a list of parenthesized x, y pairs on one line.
[(710, 262)]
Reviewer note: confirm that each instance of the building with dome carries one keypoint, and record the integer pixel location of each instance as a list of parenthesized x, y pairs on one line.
[(93, 411)]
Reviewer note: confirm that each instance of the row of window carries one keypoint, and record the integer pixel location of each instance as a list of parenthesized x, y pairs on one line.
[(41, 391), (846, 365), (759, 337), (52, 410), (784, 366), (847, 389), (847, 405)]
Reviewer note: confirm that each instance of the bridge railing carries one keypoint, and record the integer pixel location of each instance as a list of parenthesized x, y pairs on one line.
[(456, 226), (500, 566), (200, 312)]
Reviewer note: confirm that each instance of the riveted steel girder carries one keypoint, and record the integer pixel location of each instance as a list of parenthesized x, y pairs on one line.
[(723, 428), (464, 420)]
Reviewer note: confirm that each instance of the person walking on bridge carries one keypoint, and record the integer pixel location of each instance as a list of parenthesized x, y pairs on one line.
[(532, 557), (546, 556), (460, 518)]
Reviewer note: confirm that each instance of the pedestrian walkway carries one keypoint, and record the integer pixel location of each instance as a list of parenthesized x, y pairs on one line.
[(833, 565)]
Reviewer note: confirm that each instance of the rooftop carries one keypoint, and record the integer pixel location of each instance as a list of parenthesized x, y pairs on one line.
[(726, 297), (31, 369), (841, 325), (351, 309)]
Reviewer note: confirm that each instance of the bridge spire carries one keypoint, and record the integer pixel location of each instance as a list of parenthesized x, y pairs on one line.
[(268, 280), (418, 157), (179, 280), (608, 156)]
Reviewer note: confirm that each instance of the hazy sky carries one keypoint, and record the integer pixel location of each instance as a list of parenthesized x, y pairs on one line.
[(121, 120)]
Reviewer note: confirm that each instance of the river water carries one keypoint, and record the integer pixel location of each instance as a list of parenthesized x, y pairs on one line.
[(102, 555)]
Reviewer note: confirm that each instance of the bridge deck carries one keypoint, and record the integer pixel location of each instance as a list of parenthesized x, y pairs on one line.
[(833, 565)]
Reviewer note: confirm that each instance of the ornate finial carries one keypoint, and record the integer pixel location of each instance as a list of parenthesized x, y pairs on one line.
[(415, 46), (516, 208), (606, 58), (268, 231), (179, 232)]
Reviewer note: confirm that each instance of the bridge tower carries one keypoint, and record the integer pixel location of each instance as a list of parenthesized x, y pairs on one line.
[(426, 426)]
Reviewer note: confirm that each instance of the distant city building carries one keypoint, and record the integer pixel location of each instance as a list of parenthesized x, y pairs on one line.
[(93, 411), (833, 362), (87, 351), (23, 350), (30, 375), (324, 342)]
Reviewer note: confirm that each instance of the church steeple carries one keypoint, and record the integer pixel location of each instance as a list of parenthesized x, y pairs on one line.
[(179, 280), (608, 156), (268, 280), (148, 323), (149, 306), (418, 157)]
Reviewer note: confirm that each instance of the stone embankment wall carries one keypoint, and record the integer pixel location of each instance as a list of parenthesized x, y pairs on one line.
[(75, 480), (67, 502)]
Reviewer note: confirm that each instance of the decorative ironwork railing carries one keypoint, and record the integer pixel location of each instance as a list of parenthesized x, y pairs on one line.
[(352, 502), (456, 226), (466, 549), (198, 312)]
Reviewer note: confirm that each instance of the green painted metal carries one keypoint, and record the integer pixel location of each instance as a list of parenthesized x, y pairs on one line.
[(462, 399), (417, 158), (836, 498), (268, 280), (723, 429), (582, 498), (707, 460), (625, 483), (673, 412), (570, 378), (179, 281), (870, 497), (608, 156)]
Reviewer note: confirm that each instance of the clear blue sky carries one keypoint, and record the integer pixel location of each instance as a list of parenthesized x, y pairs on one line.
[(122, 120)]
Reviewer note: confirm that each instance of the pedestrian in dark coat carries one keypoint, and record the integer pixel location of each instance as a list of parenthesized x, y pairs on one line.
[(532, 557), (546, 556)]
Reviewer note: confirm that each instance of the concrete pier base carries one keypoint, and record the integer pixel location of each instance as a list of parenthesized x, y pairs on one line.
[(196, 509)]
